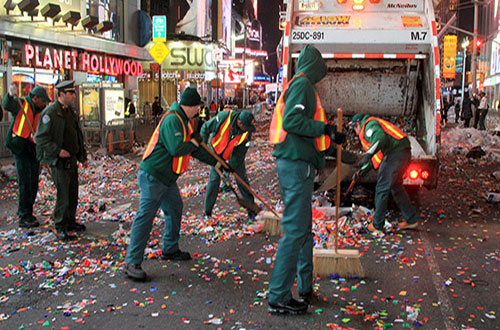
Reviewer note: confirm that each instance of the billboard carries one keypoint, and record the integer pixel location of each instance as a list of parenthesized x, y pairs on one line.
[(224, 23), (196, 20)]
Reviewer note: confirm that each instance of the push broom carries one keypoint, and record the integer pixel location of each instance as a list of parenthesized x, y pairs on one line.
[(272, 219), (343, 262)]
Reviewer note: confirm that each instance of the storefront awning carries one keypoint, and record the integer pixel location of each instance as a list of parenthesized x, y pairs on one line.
[(72, 39)]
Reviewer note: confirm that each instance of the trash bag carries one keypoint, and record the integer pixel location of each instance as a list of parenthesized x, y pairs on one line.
[(476, 152)]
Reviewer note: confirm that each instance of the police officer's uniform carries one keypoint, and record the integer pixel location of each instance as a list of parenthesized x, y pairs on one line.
[(59, 129)]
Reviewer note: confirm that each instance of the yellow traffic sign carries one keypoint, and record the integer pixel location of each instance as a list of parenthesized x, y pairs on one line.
[(159, 52)]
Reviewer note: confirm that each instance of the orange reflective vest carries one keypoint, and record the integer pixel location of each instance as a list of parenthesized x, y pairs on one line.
[(388, 128), (276, 132), (24, 122), (179, 164), (221, 143)]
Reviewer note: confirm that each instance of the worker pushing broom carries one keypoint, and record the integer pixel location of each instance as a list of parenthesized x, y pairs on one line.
[(302, 137)]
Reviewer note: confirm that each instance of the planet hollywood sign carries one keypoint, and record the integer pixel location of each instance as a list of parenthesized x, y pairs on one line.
[(56, 58)]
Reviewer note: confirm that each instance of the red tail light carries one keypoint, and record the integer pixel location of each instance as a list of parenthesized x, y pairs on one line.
[(425, 174), (340, 2), (413, 174)]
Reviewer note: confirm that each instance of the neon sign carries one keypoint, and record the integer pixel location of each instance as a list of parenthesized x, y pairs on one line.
[(54, 58)]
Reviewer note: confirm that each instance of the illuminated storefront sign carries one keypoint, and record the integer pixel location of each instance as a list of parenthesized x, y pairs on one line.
[(322, 20), (56, 58), (189, 56)]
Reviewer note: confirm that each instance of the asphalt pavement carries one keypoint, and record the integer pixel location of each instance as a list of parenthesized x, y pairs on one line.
[(442, 276)]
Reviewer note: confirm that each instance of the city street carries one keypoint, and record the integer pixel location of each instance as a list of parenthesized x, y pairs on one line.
[(442, 276)]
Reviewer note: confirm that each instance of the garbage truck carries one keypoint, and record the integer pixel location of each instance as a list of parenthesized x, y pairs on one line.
[(383, 60)]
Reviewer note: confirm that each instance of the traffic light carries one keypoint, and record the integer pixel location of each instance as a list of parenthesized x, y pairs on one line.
[(479, 44)]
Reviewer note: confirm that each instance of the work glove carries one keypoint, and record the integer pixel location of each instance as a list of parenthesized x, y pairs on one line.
[(13, 90), (223, 168), (196, 139), (365, 158), (337, 137)]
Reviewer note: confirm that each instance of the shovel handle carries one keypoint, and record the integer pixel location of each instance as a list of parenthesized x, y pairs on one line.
[(337, 191), (240, 180)]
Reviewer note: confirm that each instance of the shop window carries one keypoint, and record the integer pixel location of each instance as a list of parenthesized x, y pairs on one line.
[(108, 10)]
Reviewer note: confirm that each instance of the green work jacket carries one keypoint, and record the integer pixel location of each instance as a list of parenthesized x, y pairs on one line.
[(171, 144), (211, 127), (50, 133)]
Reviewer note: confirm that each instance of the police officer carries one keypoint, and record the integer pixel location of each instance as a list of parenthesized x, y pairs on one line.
[(60, 144), (229, 135), (387, 149), (301, 138), (25, 112)]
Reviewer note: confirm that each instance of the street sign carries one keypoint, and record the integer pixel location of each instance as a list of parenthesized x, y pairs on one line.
[(159, 52), (159, 28)]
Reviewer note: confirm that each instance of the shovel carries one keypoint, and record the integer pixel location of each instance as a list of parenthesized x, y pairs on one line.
[(246, 204)]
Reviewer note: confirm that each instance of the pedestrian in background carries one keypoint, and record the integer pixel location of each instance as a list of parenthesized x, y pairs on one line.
[(166, 157), (20, 140), (129, 108), (444, 112), (457, 111), (156, 109), (466, 110), (387, 149), (482, 111), (60, 144), (301, 138), (229, 135)]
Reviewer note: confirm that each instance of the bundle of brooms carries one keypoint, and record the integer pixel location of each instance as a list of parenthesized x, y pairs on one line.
[(343, 262)]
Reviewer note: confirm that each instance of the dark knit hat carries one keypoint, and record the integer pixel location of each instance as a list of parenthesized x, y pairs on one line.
[(40, 92), (190, 97), (357, 118), (246, 118)]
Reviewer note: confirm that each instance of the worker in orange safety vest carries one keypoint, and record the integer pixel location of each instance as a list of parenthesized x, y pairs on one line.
[(388, 150), (25, 112)]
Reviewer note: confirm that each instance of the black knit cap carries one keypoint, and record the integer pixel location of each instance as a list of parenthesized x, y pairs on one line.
[(190, 97)]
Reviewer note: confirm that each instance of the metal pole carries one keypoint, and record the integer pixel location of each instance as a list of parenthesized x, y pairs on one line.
[(159, 86), (474, 47), (217, 90), (463, 81), (244, 68)]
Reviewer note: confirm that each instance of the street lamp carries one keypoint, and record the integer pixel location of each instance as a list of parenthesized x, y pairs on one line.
[(465, 43)]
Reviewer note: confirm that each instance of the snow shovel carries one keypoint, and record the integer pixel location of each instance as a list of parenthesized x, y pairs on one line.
[(246, 204)]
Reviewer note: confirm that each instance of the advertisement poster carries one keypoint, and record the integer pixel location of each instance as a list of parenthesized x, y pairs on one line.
[(89, 106), (449, 56), (114, 102)]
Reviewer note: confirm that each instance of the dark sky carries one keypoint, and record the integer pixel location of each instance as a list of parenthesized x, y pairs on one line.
[(268, 15)]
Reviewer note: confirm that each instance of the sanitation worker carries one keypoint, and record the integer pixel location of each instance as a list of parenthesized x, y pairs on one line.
[(229, 135), (25, 113), (166, 157), (60, 144), (302, 137), (387, 149)]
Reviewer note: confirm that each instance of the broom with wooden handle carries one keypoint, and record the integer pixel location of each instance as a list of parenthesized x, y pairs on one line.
[(343, 262), (272, 220)]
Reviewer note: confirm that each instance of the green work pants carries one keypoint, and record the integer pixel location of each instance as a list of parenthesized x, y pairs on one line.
[(155, 194), (212, 190), (390, 180), (66, 181), (295, 251), (28, 168)]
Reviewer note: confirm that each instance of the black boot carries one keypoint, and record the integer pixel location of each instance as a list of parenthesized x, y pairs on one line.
[(135, 272), (292, 307), (177, 255), (78, 227)]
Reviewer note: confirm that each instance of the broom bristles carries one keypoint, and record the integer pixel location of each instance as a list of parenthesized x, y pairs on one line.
[(345, 263), (272, 225)]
